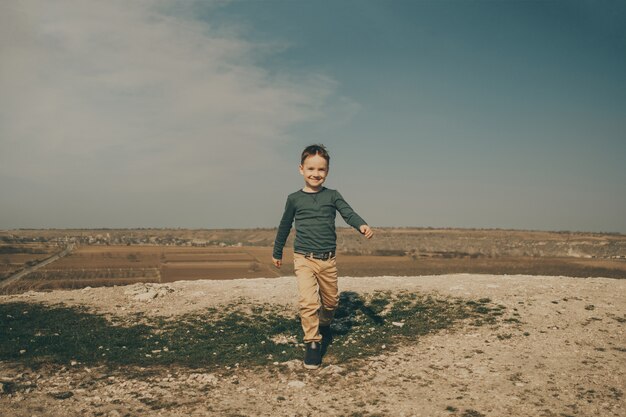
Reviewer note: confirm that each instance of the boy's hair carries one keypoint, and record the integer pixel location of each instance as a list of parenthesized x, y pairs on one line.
[(312, 150)]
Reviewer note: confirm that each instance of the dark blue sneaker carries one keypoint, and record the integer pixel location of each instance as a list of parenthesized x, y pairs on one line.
[(313, 355)]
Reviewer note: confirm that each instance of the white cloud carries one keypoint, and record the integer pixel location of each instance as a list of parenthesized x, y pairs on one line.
[(127, 97)]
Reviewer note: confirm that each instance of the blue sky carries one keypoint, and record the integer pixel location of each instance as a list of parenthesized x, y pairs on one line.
[(488, 114)]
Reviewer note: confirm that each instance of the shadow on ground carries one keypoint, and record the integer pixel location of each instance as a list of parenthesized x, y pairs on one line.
[(36, 334)]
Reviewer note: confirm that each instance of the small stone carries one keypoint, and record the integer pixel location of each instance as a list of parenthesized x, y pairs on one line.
[(210, 379), (22, 351), (332, 370), (296, 384), (73, 363), (146, 296), (62, 395), (397, 323), (292, 364)]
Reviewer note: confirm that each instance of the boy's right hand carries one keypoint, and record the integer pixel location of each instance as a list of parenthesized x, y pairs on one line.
[(277, 262)]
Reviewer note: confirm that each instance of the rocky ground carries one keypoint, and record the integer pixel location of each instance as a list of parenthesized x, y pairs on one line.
[(564, 356)]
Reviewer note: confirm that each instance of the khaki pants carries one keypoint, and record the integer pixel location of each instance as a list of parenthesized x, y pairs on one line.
[(319, 293)]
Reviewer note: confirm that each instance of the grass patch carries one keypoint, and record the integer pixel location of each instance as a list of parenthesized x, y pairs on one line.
[(36, 334), (236, 335), (370, 324)]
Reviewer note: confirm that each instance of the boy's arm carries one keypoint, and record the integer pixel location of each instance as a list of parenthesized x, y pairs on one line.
[(283, 230), (348, 214)]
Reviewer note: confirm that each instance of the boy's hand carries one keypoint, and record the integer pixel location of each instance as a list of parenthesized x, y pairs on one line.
[(277, 262), (366, 231)]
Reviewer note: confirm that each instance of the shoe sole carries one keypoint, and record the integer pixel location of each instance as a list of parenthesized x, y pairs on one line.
[(310, 366)]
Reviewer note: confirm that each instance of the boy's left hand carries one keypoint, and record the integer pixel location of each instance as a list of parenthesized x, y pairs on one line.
[(366, 231)]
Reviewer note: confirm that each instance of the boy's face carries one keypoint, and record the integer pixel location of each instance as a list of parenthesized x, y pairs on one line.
[(314, 170)]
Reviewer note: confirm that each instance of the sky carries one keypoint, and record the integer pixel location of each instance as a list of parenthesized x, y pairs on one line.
[(193, 114)]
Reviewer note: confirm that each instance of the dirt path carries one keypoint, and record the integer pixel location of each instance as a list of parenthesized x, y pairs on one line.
[(16, 277), (565, 357)]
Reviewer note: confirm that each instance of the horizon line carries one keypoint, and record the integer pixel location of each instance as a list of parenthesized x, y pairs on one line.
[(338, 227)]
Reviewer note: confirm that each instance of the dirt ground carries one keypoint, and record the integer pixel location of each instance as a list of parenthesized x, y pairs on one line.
[(566, 357)]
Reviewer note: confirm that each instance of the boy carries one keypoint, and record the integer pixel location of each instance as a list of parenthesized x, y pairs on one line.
[(314, 208)]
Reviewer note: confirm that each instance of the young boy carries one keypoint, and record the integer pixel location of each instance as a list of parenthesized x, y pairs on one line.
[(314, 208)]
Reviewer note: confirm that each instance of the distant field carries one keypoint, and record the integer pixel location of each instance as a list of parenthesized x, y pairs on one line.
[(554, 266), (423, 241), (15, 257), (167, 255), (121, 265)]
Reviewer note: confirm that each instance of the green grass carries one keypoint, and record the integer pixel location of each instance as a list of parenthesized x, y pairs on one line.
[(239, 334)]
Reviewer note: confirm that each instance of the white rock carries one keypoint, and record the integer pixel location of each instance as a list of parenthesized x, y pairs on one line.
[(292, 364), (296, 384), (146, 296), (204, 378), (331, 370), (135, 289), (284, 339), (397, 323)]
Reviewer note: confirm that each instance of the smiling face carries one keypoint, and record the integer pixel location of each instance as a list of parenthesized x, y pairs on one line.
[(314, 170)]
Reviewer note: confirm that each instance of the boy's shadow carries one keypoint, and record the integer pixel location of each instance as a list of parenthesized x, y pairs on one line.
[(350, 303)]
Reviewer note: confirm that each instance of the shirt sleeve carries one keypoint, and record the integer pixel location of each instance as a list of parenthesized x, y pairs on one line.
[(347, 213), (283, 229)]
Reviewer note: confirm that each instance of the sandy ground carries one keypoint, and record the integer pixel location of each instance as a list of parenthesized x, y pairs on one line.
[(567, 357)]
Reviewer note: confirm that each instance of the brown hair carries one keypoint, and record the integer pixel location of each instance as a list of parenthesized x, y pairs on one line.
[(312, 150)]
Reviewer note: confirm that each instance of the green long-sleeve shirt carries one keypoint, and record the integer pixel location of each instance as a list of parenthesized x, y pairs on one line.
[(314, 214)]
